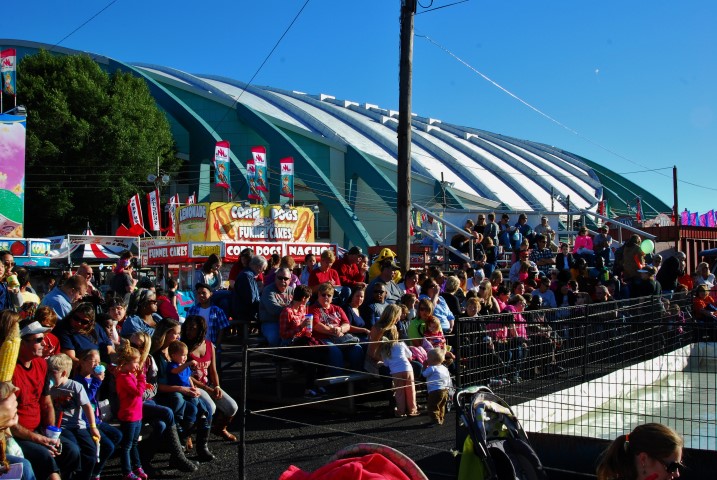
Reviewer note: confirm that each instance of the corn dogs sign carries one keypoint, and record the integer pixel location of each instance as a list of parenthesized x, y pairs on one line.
[(233, 222)]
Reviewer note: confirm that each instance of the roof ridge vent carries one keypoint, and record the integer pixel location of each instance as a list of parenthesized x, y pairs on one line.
[(323, 97)]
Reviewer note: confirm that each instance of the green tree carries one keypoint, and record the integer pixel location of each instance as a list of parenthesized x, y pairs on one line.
[(92, 139)]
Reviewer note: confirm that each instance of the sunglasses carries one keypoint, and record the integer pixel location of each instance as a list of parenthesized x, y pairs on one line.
[(81, 321), (672, 467), (285, 279), (151, 301), (9, 264), (35, 340)]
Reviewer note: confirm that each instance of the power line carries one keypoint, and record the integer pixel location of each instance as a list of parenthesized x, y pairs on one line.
[(84, 23)]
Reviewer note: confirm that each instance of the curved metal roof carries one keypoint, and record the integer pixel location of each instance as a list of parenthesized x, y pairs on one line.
[(517, 173)]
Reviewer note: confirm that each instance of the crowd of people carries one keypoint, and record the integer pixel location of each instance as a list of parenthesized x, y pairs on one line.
[(93, 371), (101, 367)]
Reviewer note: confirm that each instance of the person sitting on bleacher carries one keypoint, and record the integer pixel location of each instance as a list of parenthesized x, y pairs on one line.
[(704, 307), (274, 298), (331, 327)]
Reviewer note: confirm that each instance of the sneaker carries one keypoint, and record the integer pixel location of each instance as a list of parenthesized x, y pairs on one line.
[(140, 473), (130, 476)]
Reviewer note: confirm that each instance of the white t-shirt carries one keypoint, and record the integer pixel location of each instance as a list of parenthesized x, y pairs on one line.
[(399, 361), (437, 378)]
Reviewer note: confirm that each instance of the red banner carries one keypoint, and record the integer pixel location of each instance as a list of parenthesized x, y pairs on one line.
[(135, 211), (259, 156), (253, 193), (7, 69), (192, 198), (221, 164), (155, 222), (173, 204)]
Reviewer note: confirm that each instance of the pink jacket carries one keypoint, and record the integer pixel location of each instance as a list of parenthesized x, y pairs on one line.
[(130, 389), (583, 241)]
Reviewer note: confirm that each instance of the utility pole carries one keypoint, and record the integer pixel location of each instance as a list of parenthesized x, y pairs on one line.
[(676, 209), (403, 173)]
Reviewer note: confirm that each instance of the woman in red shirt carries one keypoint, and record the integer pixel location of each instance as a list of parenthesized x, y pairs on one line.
[(331, 326)]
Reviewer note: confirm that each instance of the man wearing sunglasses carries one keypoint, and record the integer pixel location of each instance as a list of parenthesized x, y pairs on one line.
[(274, 298), (49, 457), (8, 261), (62, 298)]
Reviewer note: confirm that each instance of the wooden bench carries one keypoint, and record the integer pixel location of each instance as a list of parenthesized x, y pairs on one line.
[(349, 379)]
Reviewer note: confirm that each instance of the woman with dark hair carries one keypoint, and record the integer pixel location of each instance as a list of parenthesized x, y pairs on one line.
[(210, 273), (359, 327), (205, 376), (650, 452), (432, 291), (141, 314), (78, 332), (167, 332)]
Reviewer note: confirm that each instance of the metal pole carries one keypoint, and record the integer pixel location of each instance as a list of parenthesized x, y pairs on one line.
[(403, 172), (242, 414), (676, 209)]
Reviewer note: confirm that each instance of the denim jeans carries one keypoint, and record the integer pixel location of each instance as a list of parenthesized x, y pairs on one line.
[(88, 450), (338, 354), (129, 453), (110, 440), (27, 472)]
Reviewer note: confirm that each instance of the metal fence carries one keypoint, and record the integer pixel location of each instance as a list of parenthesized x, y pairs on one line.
[(597, 370)]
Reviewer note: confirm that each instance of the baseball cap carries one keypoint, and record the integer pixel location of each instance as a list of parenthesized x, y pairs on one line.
[(31, 327)]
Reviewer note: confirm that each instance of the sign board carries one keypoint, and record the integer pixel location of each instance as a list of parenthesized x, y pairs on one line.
[(167, 254), (28, 252), (235, 222)]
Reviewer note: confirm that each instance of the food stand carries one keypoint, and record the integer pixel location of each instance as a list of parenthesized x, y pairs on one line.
[(228, 228)]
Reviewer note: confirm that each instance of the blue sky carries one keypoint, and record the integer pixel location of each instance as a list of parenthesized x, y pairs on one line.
[(634, 84)]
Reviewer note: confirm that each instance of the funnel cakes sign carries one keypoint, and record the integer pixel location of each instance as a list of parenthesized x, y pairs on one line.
[(234, 222)]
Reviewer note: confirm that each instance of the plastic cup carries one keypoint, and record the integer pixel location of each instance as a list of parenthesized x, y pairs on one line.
[(310, 323), (12, 281), (53, 432)]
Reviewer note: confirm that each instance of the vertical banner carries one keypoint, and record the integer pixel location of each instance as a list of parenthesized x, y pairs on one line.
[(693, 219), (7, 69), (287, 177), (711, 219), (135, 212), (253, 193), (703, 220), (638, 209), (221, 164), (259, 156), (173, 204), (192, 198), (153, 210), (12, 175), (685, 218)]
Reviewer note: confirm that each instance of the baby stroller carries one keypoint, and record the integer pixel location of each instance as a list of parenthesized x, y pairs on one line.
[(496, 447)]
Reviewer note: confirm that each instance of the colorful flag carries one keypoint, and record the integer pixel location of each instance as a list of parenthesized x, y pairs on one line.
[(693, 219), (711, 219), (192, 198), (221, 164), (287, 177), (703, 220), (135, 212), (7, 69), (153, 210), (685, 217), (601, 207), (260, 178), (173, 204), (638, 209), (253, 193)]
